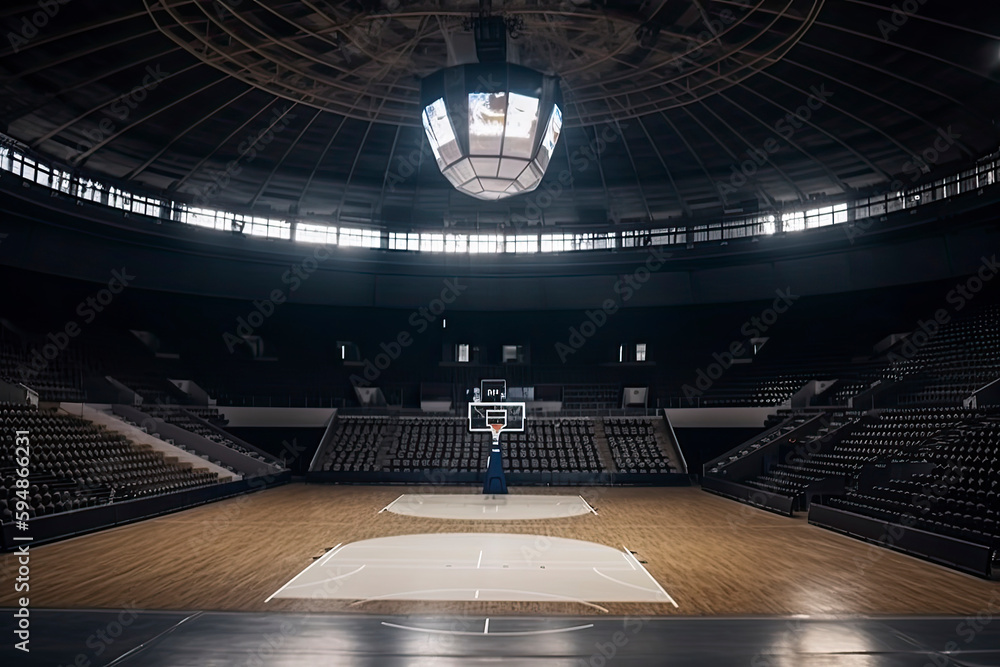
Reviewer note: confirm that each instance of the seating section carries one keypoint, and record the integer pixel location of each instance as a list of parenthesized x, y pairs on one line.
[(591, 397), (767, 391), (75, 464), (434, 444), (849, 388), (57, 379), (958, 498), (552, 445), (875, 439), (635, 446), (785, 427), (388, 444), (179, 417), (354, 443), (961, 358)]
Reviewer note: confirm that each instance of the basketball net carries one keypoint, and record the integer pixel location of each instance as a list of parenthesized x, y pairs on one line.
[(496, 431)]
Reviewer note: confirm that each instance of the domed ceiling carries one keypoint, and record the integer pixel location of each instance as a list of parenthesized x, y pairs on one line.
[(674, 108)]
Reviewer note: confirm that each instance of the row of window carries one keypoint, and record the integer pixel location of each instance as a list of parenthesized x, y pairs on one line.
[(986, 173), (514, 353)]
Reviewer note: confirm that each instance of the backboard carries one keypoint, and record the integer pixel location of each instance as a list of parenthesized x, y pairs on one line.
[(487, 417)]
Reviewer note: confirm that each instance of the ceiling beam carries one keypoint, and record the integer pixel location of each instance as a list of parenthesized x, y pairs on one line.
[(177, 137)]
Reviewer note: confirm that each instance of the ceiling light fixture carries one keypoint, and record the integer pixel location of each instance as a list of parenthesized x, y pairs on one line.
[(492, 125)]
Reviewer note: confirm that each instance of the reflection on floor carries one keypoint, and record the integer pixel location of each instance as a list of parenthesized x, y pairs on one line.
[(186, 639), (476, 566), (492, 507)]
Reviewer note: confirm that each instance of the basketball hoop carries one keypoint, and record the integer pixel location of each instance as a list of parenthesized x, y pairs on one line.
[(496, 417)]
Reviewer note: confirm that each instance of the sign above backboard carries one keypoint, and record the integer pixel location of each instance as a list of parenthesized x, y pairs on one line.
[(493, 391)]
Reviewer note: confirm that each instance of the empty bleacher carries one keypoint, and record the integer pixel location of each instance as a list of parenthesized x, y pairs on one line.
[(75, 464), (756, 391), (182, 417), (635, 446), (401, 444), (785, 426), (56, 379), (958, 497), (546, 445), (354, 444), (591, 397)]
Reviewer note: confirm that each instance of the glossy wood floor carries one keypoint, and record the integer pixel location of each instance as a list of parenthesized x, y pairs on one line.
[(714, 556)]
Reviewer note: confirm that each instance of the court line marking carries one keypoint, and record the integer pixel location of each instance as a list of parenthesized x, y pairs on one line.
[(565, 598), (587, 504), (390, 504), (625, 583), (486, 628), (471, 501), (570, 565), (523, 633), (323, 581), (321, 559), (143, 645), (629, 554)]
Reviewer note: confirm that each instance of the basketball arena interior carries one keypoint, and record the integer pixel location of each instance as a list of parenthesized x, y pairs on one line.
[(402, 332)]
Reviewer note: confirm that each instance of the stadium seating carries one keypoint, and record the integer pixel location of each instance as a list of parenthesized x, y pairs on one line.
[(75, 464), (958, 498), (961, 357), (552, 445), (591, 397), (354, 444), (875, 439), (59, 379), (767, 391), (635, 447), (179, 416), (783, 428), (444, 443)]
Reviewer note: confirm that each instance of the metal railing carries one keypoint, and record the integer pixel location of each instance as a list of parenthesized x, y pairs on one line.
[(19, 160)]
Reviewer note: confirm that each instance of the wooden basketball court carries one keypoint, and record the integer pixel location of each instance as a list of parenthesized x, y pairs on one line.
[(714, 556)]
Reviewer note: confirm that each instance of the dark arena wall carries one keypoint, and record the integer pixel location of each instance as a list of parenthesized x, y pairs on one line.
[(82, 240), (299, 366)]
